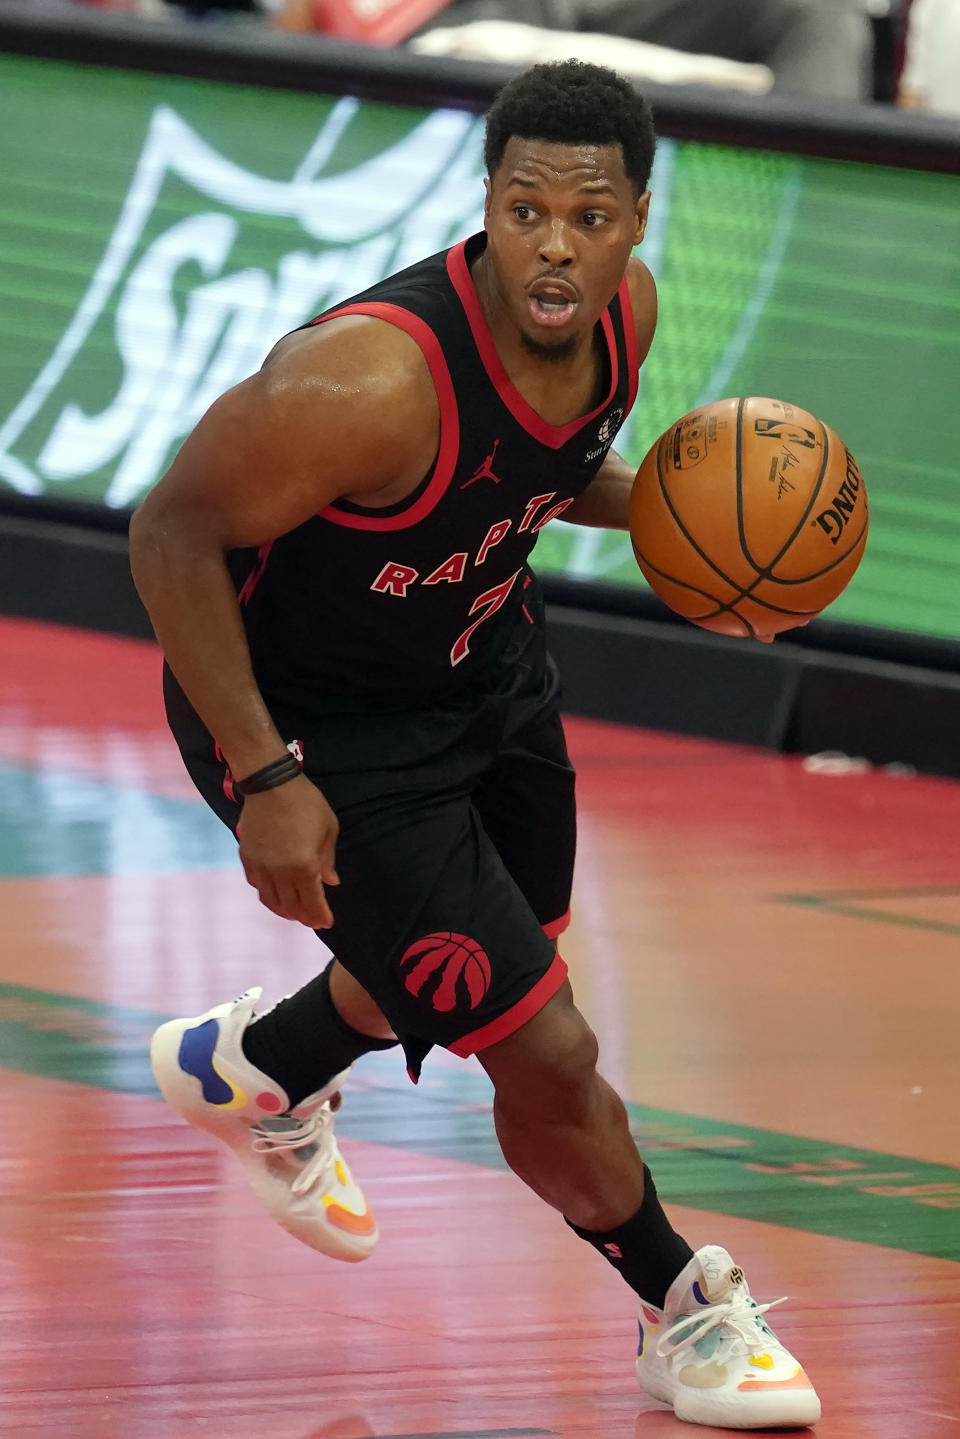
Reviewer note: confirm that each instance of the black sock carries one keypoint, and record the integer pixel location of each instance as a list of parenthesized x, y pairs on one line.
[(303, 1041), (646, 1250)]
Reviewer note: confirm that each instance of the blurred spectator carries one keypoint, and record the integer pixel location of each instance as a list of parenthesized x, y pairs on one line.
[(165, 9), (152, 9), (515, 43), (819, 48), (200, 9), (931, 73), (378, 22), (518, 44)]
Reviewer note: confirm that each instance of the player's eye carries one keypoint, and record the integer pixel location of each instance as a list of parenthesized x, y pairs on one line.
[(593, 218), (522, 212)]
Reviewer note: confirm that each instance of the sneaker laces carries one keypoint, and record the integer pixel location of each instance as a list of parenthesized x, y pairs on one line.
[(736, 1313), (285, 1134)]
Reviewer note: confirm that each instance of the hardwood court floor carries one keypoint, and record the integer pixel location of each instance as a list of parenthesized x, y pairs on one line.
[(770, 956)]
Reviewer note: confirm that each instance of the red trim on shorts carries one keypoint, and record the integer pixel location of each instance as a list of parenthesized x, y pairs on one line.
[(557, 926), (507, 1024), (255, 575), (419, 331), (552, 435), (227, 781)]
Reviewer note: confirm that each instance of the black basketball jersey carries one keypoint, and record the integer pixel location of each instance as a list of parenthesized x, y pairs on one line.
[(398, 606)]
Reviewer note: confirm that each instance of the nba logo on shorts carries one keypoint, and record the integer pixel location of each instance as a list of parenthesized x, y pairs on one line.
[(450, 970)]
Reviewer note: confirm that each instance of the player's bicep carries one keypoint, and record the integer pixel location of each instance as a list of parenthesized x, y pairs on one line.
[(285, 443), (244, 475)]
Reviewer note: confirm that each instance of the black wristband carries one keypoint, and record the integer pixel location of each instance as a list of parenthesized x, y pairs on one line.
[(277, 772)]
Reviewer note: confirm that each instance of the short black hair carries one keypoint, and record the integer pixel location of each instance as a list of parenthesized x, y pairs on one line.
[(569, 102)]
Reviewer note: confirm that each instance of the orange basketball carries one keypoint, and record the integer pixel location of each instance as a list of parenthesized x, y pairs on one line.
[(748, 516)]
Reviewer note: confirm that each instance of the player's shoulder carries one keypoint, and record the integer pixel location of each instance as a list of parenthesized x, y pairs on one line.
[(353, 390), (643, 302), (358, 359), (642, 286)]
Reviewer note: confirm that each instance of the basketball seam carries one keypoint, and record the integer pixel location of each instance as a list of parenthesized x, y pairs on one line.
[(811, 501), (748, 594), (723, 607), (685, 532), (720, 606), (769, 605), (723, 610), (779, 580), (766, 572), (738, 451)]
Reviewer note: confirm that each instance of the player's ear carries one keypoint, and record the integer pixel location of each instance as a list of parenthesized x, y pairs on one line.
[(486, 199), (641, 212)]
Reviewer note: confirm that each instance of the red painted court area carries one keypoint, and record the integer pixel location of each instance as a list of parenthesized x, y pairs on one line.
[(770, 957)]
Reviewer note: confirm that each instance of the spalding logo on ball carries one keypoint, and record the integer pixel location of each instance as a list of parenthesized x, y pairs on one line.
[(748, 517), (450, 970)]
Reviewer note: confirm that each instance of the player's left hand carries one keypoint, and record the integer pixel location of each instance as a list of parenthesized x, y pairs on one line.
[(287, 841)]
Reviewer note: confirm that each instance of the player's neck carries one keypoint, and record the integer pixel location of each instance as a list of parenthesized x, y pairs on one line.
[(558, 382)]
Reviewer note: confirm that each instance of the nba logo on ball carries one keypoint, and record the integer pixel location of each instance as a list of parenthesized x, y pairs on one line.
[(450, 970)]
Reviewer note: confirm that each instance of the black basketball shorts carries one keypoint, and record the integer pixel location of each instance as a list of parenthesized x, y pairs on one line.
[(455, 856)]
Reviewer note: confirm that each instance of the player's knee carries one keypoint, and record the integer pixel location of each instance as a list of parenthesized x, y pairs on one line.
[(547, 1069)]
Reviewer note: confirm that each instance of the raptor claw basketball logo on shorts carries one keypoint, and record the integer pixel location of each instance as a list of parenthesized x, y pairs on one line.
[(450, 970)]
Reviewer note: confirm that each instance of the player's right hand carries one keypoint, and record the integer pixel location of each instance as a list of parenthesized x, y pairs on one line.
[(287, 840)]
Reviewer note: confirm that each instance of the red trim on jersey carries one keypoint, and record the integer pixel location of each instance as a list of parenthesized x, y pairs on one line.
[(557, 926), (421, 332), (630, 341), (508, 1023), (524, 414)]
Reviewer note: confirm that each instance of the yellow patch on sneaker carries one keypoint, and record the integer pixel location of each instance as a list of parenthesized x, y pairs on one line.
[(704, 1376), (239, 1100), (762, 1361), (342, 1174)]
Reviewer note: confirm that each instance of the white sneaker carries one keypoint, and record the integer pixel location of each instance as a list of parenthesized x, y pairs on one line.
[(290, 1155), (711, 1355)]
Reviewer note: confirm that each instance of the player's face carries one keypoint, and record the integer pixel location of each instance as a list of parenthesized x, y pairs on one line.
[(561, 221)]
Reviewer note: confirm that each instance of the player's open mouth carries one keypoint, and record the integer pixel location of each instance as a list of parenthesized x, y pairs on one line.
[(552, 303)]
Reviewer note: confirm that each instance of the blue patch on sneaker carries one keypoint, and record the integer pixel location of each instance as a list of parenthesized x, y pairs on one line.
[(698, 1294), (196, 1059)]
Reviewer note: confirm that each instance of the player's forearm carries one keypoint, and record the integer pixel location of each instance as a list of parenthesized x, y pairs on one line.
[(605, 503), (185, 586)]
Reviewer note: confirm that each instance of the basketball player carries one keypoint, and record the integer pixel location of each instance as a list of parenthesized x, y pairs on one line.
[(336, 566)]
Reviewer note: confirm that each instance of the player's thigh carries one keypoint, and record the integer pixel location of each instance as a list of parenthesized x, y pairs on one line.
[(430, 922), (527, 804)]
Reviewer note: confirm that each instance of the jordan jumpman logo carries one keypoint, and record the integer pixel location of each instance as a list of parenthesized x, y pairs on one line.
[(484, 471)]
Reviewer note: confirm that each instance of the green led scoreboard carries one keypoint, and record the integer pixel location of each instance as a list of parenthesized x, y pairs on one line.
[(158, 234)]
